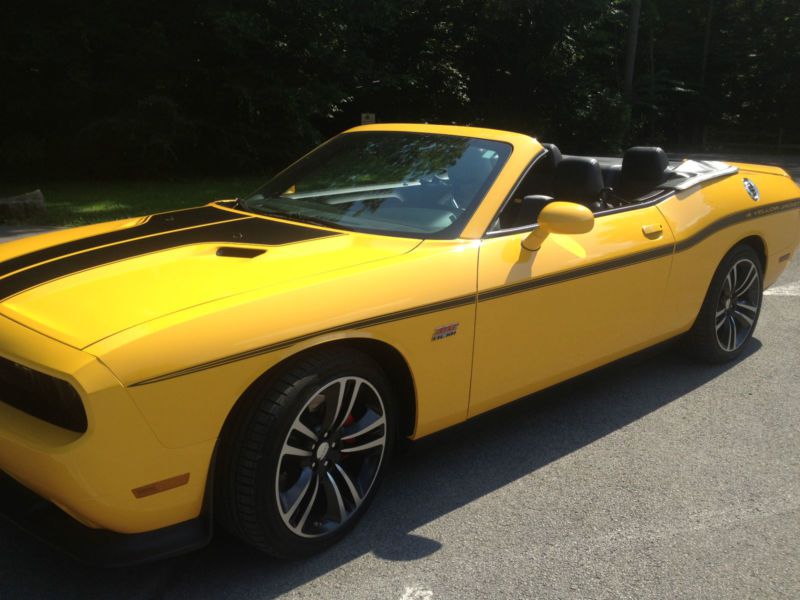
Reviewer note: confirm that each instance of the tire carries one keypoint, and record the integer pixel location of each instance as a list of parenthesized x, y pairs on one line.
[(726, 321), (301, 456)]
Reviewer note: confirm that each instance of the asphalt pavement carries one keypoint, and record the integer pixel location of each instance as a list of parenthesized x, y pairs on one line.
[(654, 478)]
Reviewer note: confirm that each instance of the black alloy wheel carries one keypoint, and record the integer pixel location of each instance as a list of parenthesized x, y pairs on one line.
[(303, 452)]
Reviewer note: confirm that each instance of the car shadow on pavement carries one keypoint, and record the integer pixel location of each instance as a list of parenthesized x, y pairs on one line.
[(428, 479)]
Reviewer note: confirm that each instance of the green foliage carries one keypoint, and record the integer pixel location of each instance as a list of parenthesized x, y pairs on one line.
[(147, 88), (751, 80)]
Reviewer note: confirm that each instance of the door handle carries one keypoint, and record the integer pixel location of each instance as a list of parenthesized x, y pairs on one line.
[(654, 231)]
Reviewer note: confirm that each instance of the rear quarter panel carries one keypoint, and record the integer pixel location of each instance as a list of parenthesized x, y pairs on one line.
[(707, 221)]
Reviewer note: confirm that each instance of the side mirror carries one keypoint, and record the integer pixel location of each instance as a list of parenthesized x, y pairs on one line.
[(559, 217)]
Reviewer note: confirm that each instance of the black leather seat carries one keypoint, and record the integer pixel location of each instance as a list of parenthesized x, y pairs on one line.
[(555, 153), (530, 207), (611, 175), (534, 192), (541, 178), (644, 168), (579, 179)]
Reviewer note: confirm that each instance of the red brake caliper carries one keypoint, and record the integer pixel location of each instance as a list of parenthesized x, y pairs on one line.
[(347, 422)]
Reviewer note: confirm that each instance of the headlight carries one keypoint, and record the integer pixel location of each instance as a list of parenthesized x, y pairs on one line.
[(42, 396)]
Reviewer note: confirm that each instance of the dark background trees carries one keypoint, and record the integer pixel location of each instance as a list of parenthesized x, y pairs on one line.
[(122, 88)]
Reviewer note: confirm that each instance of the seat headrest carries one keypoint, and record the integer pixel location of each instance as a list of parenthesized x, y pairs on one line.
[(643, 169), (578, 179), (553, 154)]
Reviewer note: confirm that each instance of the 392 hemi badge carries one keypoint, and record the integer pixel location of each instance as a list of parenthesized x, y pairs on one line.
[(444, 332)]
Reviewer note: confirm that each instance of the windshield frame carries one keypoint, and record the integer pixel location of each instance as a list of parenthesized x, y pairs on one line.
[(450, 232)]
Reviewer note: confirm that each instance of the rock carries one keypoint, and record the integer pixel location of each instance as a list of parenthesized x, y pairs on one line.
[(22, 206)]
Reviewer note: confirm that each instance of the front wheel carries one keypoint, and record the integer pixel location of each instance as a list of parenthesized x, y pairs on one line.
[(731, 308), (301, 460)]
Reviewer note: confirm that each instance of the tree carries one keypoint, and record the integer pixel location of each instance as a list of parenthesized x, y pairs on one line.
[(117, 87)]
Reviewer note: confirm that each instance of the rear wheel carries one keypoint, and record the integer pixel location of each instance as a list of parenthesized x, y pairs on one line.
[(730, 311), (302, 458)]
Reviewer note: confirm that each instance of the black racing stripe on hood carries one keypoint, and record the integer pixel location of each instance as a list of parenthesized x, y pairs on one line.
[(248, 230), (160, 223)]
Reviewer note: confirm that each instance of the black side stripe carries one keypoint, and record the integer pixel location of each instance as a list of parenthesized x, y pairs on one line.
[(744, 215), (244, 230), (632, 259), (608, 265), (160, 223), (498, 292), (371, 322)]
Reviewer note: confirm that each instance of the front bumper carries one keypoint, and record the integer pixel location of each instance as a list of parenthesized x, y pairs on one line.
[(92, 476), (100, 547)]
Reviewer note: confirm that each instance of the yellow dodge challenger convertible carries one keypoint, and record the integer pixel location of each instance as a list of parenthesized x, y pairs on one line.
[(255, 359)]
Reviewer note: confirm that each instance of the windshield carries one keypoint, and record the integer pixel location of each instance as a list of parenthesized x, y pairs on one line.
[(396, 183)]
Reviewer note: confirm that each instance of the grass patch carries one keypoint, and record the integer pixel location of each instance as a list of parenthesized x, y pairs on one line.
[(84, 202)]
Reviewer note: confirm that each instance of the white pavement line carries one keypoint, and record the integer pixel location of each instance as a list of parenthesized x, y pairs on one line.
[(790, 289), (415, 593)]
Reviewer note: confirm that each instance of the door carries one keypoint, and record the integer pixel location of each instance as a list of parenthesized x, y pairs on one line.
[(578, 302)]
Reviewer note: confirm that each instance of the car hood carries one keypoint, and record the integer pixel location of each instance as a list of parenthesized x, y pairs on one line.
[(82, 285)]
